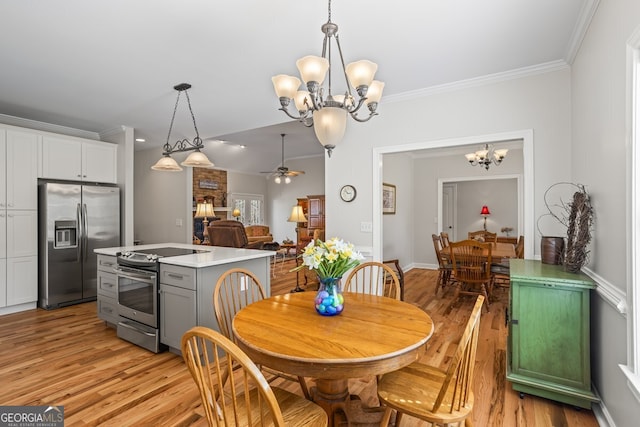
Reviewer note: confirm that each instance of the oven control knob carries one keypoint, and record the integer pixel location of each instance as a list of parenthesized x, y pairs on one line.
[(152, 257), (126, 254)]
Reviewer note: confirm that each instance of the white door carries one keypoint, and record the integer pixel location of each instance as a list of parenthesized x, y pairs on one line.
[(449, 210)]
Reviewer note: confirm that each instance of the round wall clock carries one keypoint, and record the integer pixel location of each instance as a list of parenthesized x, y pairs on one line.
[(348, 193)]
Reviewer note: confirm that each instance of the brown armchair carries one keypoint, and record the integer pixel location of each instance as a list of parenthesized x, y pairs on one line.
[(230, 234)]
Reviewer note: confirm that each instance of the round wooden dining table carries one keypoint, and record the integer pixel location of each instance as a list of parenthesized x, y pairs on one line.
[(372, 336)]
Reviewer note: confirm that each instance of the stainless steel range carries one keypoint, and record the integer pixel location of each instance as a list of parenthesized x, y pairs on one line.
[(138, 297)]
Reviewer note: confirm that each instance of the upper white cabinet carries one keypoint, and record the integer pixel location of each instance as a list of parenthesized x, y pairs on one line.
[(19, 152), (75, 159)]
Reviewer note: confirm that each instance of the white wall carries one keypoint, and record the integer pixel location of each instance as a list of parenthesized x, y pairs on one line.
[(499, 195), (599, 96), (538, 102), (162, 201), (399, 228)]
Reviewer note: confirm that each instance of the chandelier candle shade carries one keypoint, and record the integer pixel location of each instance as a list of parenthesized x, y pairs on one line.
[(195, 159), (485, 157), (328, 115)]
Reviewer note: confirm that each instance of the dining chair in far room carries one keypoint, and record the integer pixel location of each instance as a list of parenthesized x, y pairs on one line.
[(520, 247), (444, 265), (444, 239), (471, 263), (244, 398), (235, 289), (394, 264), (373, 278), (442, 397)]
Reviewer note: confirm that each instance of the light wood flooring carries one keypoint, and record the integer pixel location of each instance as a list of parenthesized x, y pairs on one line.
[(69, 357)]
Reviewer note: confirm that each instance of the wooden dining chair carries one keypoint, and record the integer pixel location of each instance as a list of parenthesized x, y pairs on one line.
[(444, 266), (373, 278), (483, 236), (444, 239), (244, 398), (234, 290), (394, 264), (520, 247), (471, 263), (430, 393)]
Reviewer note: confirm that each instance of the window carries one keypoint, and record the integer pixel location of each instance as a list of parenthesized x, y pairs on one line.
[(632, 368), (251, 207)]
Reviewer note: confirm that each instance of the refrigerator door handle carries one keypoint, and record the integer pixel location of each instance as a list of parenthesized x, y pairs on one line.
[(85, 231), (80, 230)]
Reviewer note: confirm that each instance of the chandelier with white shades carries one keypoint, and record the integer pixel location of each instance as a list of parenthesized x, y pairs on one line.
[(485, 157), (327, 112)]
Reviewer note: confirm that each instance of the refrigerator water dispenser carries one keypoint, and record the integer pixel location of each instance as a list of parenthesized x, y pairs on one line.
[(66, 234)]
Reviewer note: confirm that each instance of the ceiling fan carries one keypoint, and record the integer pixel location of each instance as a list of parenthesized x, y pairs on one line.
[(282, 171)]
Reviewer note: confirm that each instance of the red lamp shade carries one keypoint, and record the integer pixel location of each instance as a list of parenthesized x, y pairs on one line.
[(485, 211)]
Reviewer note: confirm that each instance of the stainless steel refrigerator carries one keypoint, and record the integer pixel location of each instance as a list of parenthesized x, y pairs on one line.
[(73, 220)]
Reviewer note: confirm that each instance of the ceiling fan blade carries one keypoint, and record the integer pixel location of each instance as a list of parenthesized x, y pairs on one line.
[(295, 173)]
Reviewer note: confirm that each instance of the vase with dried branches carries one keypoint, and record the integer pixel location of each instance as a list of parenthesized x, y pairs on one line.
[(577, 217)]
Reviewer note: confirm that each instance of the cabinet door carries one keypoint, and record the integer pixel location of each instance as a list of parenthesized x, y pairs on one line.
[(61, 158), (99, 162), (22, 233), (3, 282), (177, 313), (22, 170), (3, 175), (550, 333), (3, 234), (22, 280)]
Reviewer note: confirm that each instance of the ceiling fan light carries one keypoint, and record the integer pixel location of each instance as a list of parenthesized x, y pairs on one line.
[(360, 73), (287, 180), (197, 159), (166, 164), (330, 124), (313, 68), (285, 86), (277, 180)]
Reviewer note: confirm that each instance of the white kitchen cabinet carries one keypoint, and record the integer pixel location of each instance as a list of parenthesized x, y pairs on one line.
[(22, 280), (18, 218), (3, 282), (19, 158), (21, 233), (75, 159)]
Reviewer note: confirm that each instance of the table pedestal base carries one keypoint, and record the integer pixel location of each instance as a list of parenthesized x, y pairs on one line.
[(341, 408)]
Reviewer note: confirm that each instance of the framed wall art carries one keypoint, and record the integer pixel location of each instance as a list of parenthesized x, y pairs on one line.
[(388, 198)]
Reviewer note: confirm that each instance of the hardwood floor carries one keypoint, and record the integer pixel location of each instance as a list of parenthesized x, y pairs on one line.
[(69, 357)]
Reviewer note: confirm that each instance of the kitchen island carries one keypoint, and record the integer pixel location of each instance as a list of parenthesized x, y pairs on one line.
[(185, 284)]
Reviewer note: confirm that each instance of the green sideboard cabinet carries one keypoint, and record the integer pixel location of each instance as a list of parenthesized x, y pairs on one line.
[(548, 350)]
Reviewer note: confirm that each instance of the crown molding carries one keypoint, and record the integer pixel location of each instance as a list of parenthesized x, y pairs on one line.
[(47, 127), (587, 12), (518, 73)]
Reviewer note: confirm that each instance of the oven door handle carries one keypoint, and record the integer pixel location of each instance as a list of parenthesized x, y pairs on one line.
[(133, 328), (134, 275)]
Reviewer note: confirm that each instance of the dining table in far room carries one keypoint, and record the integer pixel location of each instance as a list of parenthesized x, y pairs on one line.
[(499, 251), (372, 336)]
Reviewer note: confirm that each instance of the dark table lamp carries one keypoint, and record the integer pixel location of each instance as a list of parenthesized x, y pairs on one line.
[(297, 216)]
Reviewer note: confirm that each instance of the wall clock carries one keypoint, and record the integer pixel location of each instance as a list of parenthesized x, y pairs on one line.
[(348, 193)]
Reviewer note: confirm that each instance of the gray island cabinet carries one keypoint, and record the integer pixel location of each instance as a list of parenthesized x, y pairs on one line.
[(186, 284)]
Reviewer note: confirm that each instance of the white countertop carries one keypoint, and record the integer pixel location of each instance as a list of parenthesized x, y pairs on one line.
[(214, 255)]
